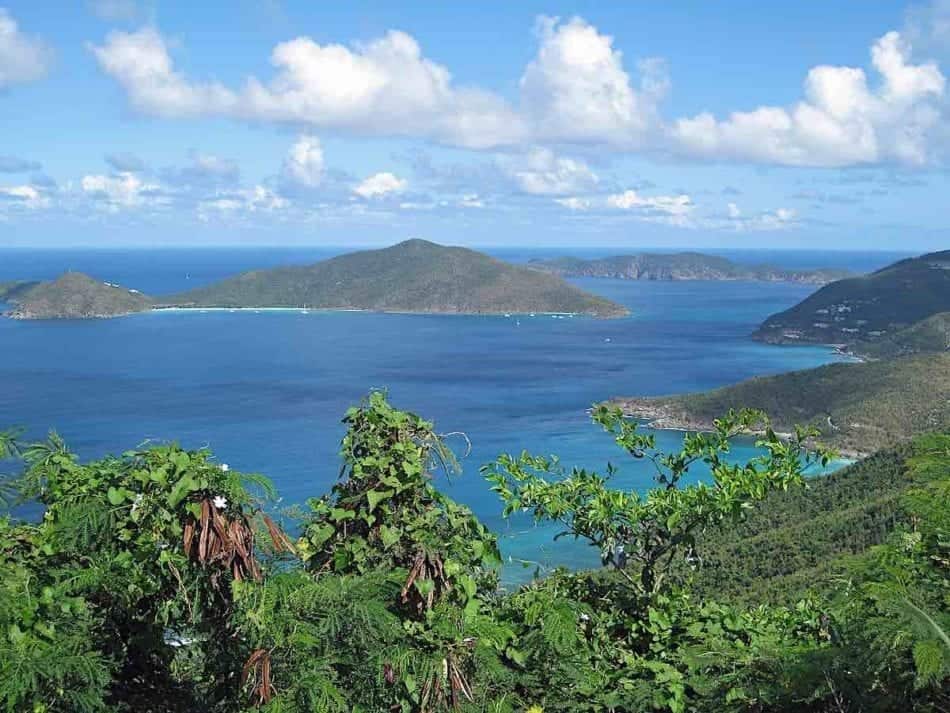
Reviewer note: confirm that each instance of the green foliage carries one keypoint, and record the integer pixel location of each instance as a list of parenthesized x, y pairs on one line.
[(642, 535), (155, 582)]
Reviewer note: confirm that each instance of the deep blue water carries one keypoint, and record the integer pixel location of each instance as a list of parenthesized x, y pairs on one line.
[(266, 391)]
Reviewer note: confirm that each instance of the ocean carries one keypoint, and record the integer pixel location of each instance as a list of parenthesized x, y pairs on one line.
[(266, 391)]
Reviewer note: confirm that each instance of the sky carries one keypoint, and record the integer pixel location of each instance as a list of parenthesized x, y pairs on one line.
[(637, 124)]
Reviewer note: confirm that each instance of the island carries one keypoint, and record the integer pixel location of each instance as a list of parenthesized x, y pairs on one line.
[(859, 407), (681, 266), (888, 307), (415, 276), (412, 276), (74, 296)]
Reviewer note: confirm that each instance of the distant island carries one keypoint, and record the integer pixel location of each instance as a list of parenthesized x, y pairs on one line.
[(681, 266), (858, 407), (73, 296), (414, 276), (896, 310)]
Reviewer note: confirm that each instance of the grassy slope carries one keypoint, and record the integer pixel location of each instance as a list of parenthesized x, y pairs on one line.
[(888, 300), (797, 540), (74, 295), (680, 266), (870, 405), (413, 276)]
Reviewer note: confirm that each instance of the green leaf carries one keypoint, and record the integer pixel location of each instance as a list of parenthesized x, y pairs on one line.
[(376, 496)]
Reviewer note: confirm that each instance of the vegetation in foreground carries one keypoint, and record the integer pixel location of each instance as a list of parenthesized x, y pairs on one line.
[(156, 582), (859, 408)]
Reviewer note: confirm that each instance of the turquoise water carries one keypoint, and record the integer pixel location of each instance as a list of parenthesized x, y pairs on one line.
[(266, 391)]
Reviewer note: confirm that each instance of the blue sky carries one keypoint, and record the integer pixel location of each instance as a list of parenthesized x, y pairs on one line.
[(136, 122)]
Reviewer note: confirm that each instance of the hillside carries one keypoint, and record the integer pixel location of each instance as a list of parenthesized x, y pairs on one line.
[(413, 276), (680, 266), (796, 539), (859, 407), (864, 310), (76, 296), (928, 335)]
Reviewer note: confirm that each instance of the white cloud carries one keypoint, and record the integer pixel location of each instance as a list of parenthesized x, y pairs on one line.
[(733, 210), (304, 162), (121, 191), (840, 122), (540, 172), (240, 201), (25, 195), (22, 58), (471, 200), (140, 62), (380, 184), (383, 87), (575, 203), (576, 89), (678, 205)]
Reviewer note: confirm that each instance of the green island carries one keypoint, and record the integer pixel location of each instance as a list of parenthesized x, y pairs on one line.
[(160, 580), (415, 276), (881, 308), (681, 266), (859, 407), (74, 295)]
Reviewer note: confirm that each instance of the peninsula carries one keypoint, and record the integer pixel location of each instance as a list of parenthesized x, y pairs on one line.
[(858, 407), (412, 276), (681, 266), (888, 307)]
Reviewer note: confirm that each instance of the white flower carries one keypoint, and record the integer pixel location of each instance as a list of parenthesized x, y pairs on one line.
[(585, 617), (225, 467), (136, 502), (220, 502)]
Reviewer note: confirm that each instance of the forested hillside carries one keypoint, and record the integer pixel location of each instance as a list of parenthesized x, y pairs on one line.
[(859, 408), (412, 276), (160, 580)]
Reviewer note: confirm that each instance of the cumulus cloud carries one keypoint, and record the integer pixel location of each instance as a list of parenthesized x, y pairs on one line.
[(383, 87), (22, 58), (240, 201), (27, 196), (304, 164), (379, 185), (677, 205), (121, 191), (840, 122), (577, 89), (541, 172)]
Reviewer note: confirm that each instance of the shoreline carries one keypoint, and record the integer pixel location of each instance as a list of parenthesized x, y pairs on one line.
[(661, 417)]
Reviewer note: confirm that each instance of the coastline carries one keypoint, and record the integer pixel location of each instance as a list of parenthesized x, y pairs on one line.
[(659, 416)]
